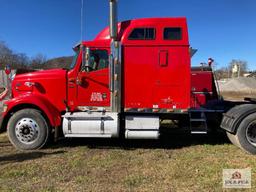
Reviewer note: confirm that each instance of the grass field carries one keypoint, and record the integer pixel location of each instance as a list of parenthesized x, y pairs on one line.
[(179, 163), (174, 163)]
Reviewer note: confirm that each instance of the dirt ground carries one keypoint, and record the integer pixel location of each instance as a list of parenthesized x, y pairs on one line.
[(237, 96)]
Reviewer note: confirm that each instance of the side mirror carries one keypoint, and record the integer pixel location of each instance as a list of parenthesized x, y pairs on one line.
[(86, 58)]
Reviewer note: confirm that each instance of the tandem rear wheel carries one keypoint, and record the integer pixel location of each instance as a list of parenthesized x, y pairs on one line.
[(27, 129), (245, 137)]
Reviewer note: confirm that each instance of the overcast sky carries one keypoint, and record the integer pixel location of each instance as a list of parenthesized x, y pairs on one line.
[(222, 29)]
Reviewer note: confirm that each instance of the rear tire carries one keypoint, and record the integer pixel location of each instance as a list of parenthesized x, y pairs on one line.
[(27, 129), (246, 134), (233, 138)]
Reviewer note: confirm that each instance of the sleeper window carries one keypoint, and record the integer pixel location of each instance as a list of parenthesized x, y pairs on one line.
[(142, 34), (172, 33)]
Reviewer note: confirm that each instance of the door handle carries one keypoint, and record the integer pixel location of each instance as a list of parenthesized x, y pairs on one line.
[(163, 58), (72, 80)]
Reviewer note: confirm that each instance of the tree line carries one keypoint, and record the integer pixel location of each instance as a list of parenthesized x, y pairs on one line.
[(231, 71), (40, 61), (21, 60)]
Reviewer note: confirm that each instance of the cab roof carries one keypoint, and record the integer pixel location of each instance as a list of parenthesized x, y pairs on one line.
[(125, 27)]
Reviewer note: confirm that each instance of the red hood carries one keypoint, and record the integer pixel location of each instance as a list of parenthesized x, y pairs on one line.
[(50, 84), (41, 73)]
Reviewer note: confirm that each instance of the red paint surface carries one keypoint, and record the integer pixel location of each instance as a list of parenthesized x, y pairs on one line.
[(203, 88), (157, 72)]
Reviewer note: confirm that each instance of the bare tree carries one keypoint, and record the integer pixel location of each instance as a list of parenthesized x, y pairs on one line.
[(8, 57), (38, 61), (21, 60), (242, 67), (222, 73), (5, 55)]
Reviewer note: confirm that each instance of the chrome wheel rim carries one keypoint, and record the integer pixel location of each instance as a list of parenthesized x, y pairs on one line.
[(251, 133), (27, 130)]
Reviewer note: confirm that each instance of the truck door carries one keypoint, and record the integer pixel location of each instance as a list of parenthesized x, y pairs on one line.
[(93, 80)]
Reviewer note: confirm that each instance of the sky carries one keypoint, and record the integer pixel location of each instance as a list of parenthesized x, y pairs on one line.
[(221, 29)]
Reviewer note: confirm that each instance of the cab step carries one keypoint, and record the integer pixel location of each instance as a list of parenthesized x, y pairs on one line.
[(198, 122)]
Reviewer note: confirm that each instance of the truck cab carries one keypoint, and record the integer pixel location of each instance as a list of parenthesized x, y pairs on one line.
[(155, 65), (133, 75), (153, 78)]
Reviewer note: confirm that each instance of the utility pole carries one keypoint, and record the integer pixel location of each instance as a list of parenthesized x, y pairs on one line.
[(82, 15)]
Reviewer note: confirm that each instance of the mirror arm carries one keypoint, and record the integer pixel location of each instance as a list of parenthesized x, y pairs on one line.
[(78, 81)]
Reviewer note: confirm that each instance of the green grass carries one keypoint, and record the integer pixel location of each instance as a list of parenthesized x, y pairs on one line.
[(176, 163)]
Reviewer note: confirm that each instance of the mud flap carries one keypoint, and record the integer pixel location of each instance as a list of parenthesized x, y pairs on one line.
[(235, 115)]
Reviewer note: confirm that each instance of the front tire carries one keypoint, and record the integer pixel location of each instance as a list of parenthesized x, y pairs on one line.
[(27, 129)]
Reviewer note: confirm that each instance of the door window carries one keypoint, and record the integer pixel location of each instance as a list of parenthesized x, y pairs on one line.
[(98, 59)]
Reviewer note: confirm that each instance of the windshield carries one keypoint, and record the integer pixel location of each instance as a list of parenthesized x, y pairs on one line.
[(74, 60)]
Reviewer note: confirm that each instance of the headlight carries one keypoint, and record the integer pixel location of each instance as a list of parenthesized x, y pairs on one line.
[(24, 86), (29, 84)]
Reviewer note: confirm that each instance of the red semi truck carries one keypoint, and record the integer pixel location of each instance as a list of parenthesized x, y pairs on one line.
[(122, 84)]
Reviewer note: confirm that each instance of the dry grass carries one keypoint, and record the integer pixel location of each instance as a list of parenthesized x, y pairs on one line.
[(176, 163)]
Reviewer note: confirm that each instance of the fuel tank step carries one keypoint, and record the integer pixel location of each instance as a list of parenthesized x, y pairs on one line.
[(90, 124)]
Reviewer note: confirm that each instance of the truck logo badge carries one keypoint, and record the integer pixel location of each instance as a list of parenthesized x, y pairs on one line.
[(96, 96)]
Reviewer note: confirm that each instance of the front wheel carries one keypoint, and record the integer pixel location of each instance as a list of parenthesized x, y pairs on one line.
[(246, 134), (27, 129)]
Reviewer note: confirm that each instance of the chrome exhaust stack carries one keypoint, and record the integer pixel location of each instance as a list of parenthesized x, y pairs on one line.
[(113, 19), (114, 59)]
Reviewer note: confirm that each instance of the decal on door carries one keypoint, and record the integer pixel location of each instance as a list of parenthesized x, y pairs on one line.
[(96, 96)]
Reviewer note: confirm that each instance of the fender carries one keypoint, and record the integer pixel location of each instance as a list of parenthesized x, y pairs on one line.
[(232, 119), (52, 113)]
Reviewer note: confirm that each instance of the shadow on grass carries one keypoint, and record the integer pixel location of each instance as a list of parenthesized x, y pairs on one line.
[(4, 144), (171, 141), (20, 157)]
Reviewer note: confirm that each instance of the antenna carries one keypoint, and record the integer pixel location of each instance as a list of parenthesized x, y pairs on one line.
[(82, 14)]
